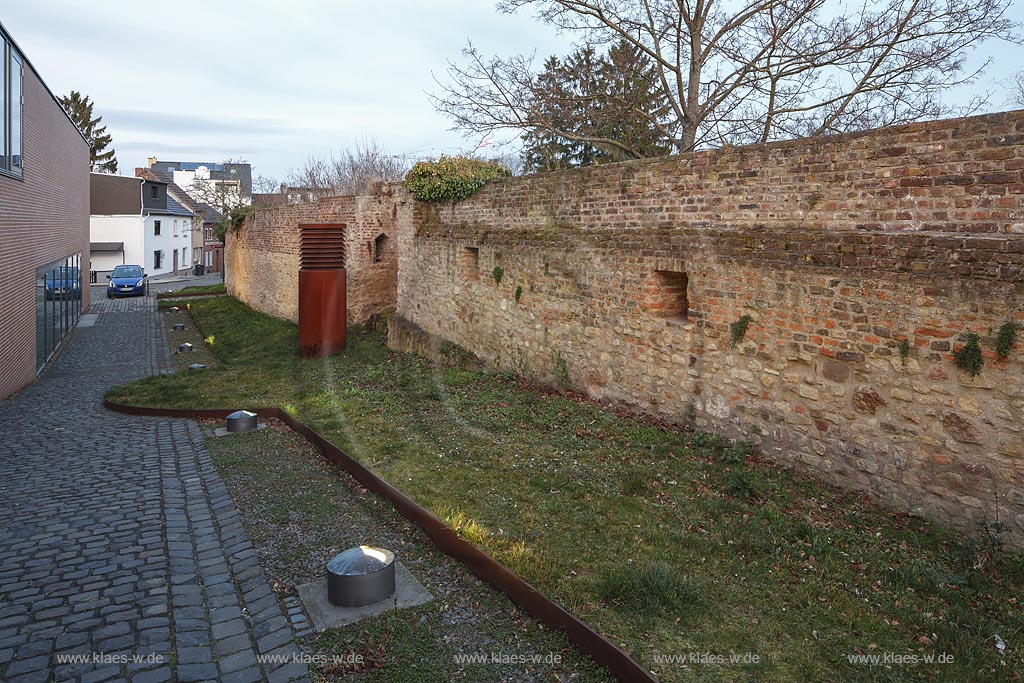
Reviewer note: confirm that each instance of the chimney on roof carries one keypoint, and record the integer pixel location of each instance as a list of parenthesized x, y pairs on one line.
[(150, 161)]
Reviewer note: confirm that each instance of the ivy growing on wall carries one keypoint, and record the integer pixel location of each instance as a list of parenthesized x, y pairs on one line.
[(1005, 339), (450, 179), (969, 357), (738, 329)]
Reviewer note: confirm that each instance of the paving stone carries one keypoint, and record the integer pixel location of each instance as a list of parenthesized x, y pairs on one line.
[(119, 565)]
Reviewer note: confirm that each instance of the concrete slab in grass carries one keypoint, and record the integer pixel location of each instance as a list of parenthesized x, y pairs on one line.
[(408, 593)]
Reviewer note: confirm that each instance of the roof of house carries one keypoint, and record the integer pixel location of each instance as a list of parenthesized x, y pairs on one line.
[(106, 246), (173, 209), (181, 196), (114, 194)]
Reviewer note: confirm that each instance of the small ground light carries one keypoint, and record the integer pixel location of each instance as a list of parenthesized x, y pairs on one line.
[(178, 327), (361, 576), (173, 309), (185, 348), (241, 421), (197, 366)]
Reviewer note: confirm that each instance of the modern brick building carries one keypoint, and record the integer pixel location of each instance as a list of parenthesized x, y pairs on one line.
[(44, 220)]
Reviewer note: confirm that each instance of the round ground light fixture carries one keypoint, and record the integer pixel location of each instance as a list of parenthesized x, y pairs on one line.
[(360, 576), (178, 327), (241, 421), (185, 348)]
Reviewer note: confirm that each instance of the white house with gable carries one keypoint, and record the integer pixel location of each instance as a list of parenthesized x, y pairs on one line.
[(134, 220)]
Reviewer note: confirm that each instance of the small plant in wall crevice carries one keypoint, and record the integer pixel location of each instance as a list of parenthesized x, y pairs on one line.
[(519, 293), (904, 350), (1005, 339), (968, 358), (497, 274), (738, 329)]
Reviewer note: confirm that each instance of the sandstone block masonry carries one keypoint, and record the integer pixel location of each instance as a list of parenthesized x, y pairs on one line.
[(262, 257), (863, 262)]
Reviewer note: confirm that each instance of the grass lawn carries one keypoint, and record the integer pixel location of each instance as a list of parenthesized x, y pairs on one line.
[(674, 545)]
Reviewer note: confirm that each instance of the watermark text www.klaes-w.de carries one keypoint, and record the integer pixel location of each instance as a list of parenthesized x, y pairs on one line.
[(708, 658), (898, 659), (507, 658), (109, 658), (315, 659)]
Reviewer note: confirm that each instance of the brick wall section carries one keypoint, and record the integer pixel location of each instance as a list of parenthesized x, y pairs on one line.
[(837, 248), (262, 259), (43, 217)]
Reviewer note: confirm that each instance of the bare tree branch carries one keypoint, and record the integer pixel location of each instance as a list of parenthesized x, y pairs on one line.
[(747, 71)]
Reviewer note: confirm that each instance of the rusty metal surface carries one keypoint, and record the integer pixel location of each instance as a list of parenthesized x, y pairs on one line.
[(322, 312), (599, 648)]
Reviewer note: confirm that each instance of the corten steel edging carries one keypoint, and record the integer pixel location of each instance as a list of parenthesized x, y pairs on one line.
[(482, 565)]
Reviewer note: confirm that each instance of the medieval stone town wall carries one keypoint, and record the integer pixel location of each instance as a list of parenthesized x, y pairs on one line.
[(625, 280)]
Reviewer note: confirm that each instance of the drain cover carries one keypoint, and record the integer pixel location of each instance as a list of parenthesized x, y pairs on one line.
[(360, 576)]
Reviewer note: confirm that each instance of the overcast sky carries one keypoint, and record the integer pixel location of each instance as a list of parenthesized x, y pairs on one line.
[(273, 81)]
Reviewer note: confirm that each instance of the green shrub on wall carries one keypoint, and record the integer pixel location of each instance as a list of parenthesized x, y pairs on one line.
[(450, 179)]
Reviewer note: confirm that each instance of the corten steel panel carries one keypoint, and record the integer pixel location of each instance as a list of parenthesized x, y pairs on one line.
[(321, 312)]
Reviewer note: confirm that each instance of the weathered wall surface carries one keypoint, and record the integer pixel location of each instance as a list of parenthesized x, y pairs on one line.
[(262, 258), (838, 249)]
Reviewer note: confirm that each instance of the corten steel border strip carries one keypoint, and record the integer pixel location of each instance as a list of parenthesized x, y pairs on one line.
[(479, 563)]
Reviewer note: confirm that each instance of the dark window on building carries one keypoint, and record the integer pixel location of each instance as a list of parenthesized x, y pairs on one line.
[(158, 259), (156, 227), (471, 264), (10, 111), (153, 191), (667, 296)]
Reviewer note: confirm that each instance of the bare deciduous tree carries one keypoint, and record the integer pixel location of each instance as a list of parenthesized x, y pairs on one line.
[(265, 185), (749, 71), (352, 172), (1017, 89)]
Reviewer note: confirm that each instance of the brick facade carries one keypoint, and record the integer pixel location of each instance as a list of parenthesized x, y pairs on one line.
[(838, 249), (44, 216), (262, 258)]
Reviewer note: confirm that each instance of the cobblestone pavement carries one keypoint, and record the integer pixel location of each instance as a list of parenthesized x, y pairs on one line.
[(119, 542)]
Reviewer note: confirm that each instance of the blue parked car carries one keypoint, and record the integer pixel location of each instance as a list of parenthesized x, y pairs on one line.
[(64, 282), (127, 281)]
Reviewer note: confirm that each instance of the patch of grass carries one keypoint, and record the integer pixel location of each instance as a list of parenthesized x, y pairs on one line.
[(647, 586), (806, 573), (217, 288)]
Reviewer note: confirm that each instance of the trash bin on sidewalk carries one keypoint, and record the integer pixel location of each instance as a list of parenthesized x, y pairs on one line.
[(199, 269)]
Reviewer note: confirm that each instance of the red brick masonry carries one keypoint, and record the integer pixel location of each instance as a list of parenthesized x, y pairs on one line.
[(43, 217)]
